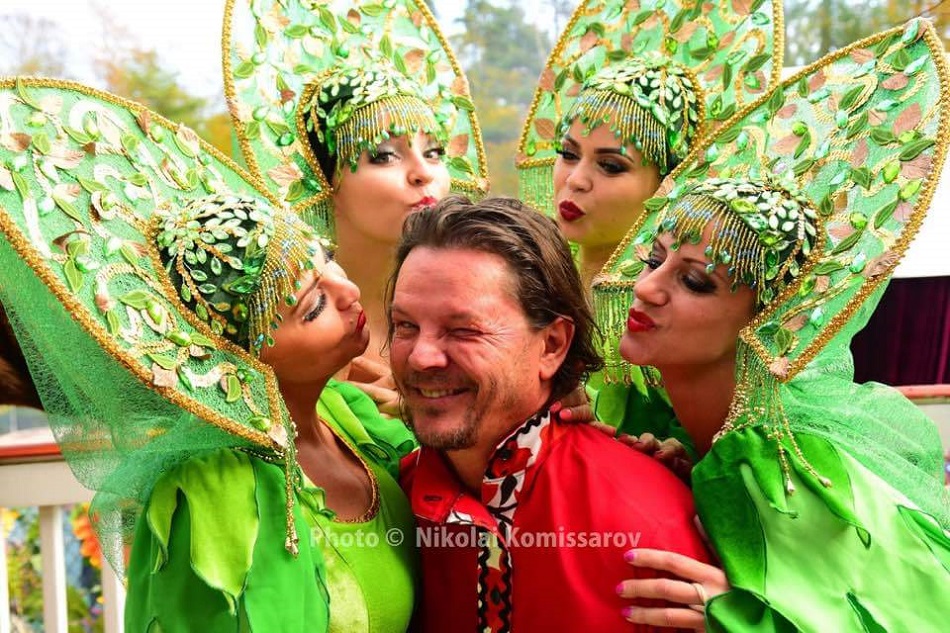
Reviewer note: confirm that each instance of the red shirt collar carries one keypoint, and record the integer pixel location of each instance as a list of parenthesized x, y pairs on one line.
[(439, 496)]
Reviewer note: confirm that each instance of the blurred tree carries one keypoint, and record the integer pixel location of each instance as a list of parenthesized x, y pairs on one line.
[(31, 46), (816, 27), (128, 70), (503, 54)]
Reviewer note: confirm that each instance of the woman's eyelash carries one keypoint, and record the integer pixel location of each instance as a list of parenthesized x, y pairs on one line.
[(317, 309), (702, 287)]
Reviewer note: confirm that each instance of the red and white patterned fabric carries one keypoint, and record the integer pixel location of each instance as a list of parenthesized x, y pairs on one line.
[(540, 546)]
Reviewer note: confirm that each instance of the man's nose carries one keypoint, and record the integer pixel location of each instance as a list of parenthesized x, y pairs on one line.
[(427, 353)]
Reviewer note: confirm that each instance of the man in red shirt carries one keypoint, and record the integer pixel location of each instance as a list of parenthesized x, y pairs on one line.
[(523, 520)]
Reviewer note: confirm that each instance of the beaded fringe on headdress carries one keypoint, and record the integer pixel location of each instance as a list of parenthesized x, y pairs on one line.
[(374, 122), (288, 255), (758, 402), (536, 186), (629, 121)]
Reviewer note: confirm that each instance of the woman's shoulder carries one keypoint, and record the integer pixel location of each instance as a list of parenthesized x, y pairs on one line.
[(354, 415)]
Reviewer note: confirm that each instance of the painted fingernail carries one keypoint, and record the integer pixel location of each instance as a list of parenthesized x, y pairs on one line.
[(628, 612), (619, 589), (556, 407), (630, 556)]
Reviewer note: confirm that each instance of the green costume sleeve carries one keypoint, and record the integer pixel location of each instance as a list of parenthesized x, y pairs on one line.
[(382, 439), (209, 553), (855, 556), (636, 408)]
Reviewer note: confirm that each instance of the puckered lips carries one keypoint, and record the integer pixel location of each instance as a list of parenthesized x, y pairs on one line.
[(569, 211), (639, 322), (424, 202), (360, 321)]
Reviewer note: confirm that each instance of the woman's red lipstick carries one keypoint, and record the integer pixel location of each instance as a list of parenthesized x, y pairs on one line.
[(360, 321), (639, 322), (569, 211), (427, 201)]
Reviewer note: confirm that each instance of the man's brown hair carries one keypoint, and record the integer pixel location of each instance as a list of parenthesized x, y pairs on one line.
[(546, 282)]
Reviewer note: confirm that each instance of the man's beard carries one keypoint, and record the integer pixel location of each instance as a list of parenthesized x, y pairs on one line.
[(461, 436), (455, 439)]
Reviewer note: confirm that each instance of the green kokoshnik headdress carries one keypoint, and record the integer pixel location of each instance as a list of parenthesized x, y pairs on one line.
[(818, 188), (660, 73), (290, 64), (141, 272), (761, 230)]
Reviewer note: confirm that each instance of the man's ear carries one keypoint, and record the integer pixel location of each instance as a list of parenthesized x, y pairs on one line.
[(556, 338)]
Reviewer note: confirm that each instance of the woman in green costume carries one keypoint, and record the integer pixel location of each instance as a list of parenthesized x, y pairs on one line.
[(627, 91), (823, 498), (179, 326), (355, 113)]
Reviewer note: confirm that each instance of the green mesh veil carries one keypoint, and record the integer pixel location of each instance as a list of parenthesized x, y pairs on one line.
[(861, 136), (134, 380), (280, 54), (670, 71)]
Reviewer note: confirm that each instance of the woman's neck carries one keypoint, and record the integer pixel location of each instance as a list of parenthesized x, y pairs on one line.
[(368, 263), (301, 400), (701, 399), (591, 260)]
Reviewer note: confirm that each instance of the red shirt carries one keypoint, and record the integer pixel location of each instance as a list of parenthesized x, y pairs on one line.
[(542, 548)]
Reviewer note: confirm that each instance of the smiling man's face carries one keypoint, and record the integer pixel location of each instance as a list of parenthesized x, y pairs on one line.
[(464, 355)]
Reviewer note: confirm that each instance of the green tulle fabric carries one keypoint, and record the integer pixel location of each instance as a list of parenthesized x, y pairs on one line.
[(874, 546), (88, 398)]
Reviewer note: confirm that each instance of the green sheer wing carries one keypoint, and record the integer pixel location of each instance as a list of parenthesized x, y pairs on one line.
[(82, 175), (133, 381)]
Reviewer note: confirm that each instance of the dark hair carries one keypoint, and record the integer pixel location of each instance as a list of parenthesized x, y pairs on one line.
[(321, 152), (546, 282), (16, 384)]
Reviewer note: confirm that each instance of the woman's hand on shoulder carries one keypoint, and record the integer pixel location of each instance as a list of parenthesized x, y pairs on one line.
[(670, 452), (693, 584), (375, 379), (574, 408)]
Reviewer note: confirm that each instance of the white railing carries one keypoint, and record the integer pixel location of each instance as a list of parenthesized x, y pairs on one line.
[(33, 474), (935, 402)]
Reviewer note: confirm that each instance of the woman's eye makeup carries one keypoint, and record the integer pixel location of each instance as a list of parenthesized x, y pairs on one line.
[(567, 149), (382, 156), (613, 167), (699, 284), (652, 262), (435, 151), (321, 303)]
